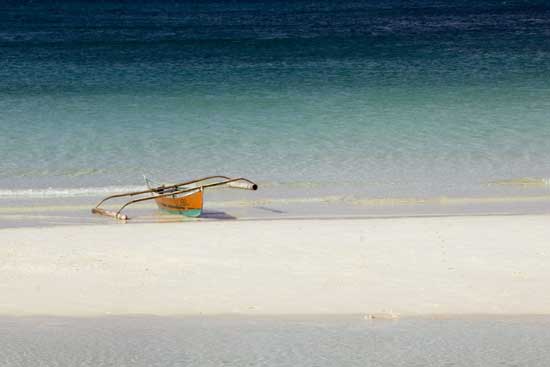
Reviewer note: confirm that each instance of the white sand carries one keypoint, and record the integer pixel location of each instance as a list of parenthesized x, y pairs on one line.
[(453, 265)]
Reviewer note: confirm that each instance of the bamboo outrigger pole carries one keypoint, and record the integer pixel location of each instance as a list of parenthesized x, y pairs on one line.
[(172, 190)]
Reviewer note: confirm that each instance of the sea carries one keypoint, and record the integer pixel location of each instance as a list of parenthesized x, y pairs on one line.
[(334, 108), (285, 341)]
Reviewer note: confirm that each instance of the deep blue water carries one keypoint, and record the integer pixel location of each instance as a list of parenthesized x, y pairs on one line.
[(395, 98)]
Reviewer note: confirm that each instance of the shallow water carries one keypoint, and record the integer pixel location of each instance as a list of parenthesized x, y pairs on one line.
[(274, 341), (389, 98)]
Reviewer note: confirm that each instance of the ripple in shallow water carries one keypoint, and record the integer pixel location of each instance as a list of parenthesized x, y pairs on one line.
[(289, 341)]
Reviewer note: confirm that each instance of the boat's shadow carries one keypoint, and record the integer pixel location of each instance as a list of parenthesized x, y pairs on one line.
[(207, 214), (162, 217)]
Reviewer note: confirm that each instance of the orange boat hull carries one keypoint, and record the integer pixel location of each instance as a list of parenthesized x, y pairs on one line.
[(189, 205)]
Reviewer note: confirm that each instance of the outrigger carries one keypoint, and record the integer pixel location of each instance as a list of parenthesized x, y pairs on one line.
[(182, 198)]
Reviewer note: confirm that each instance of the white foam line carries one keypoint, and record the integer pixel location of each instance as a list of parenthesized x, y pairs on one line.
[(524, 181), (66, 192)]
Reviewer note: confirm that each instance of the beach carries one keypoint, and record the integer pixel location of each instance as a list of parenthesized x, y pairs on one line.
[(401, 154), (385, 268)]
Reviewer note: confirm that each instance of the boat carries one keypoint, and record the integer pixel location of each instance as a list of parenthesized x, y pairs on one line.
[(185, 198)]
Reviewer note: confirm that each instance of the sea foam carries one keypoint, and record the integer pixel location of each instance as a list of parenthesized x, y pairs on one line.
[(66, 192)]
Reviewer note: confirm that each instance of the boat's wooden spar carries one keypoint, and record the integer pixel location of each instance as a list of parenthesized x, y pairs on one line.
[(173, 190), (243, 185), (109, 213)]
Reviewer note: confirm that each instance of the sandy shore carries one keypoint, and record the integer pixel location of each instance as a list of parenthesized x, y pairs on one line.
[(406, 266)]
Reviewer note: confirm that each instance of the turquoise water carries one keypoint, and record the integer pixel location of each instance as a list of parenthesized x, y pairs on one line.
[(389, 98)]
